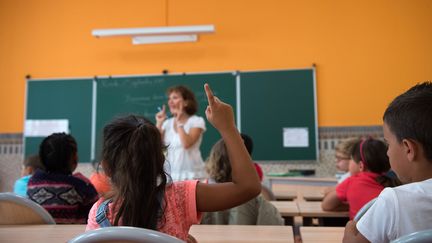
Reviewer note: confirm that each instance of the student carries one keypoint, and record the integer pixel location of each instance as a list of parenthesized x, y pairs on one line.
[(368, 165), (29, 167), (248, 142), (68, 198), (133, 157), (100, 181), (182, 134), (257, 211), (405, 209), (343, 157)]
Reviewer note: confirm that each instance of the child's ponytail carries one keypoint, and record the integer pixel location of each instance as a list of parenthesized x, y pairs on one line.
[(133, 158), (373, 153)]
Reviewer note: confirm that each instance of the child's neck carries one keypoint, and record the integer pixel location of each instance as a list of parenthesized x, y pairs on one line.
[(422, 171)]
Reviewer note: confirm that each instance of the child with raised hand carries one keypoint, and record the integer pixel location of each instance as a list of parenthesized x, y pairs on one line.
[(404, 209), (368, 165), (143, 196)]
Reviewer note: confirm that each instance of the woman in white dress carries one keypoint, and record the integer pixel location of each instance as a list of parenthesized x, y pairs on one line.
[(182, 133)]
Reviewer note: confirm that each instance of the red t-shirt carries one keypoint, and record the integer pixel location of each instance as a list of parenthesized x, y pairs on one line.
[(259, 171), (358, 190)]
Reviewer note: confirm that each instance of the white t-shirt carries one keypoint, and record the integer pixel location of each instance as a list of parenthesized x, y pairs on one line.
[(398, 211), (183, 164)]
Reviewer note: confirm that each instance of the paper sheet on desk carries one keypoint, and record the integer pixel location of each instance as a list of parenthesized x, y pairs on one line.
[(43, 128), (295, 137)]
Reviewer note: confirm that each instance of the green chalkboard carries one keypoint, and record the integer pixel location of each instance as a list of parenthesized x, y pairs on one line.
[(61, 99), (144, 94), (272, 101), (266, 103)]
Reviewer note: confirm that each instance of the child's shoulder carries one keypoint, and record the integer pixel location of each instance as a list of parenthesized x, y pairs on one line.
[(421, 187), (81, 177), (182, 189)]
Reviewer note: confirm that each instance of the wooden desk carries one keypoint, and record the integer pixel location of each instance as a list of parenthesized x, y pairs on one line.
[(299, 192), (313, 209), (241, 233), (286, 194), (311, 195), (307, 181), (40, 233), (286, 208), (321, 234)]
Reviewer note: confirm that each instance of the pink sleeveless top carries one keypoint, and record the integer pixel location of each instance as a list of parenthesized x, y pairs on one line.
[(180, 211)]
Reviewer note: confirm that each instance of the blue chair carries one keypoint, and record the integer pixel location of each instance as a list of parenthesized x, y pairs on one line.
[(424, 236), (15, 209), (124, 234), (364, 209)]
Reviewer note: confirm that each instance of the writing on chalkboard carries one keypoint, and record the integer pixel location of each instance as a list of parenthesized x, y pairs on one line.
[(135, 83), (153, 100)]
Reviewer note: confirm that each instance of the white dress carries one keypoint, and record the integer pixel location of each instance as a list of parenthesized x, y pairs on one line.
[(181, 163), (398, 211)]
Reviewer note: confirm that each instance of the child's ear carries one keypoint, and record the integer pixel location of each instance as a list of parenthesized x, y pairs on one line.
[(361, 166), (411, 149)]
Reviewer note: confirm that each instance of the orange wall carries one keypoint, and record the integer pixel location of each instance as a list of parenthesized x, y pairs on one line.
[(366, 51)]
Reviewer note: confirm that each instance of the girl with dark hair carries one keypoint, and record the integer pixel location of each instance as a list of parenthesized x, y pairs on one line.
[(182, 134), (369, 165), (144, 196)]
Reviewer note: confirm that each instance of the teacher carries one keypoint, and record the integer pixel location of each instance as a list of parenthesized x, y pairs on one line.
[(182, 133)]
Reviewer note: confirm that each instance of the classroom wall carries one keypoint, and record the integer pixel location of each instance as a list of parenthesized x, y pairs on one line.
[(366, 51)]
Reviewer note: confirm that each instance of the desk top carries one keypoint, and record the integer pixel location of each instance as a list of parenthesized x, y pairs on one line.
[(286, 208), (311, 181), (313, 195), (313, 209), (321, 234), (40, 233), (301, 192), (241, 233)]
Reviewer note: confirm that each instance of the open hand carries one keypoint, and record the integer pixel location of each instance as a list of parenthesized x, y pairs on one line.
[(218, 113)]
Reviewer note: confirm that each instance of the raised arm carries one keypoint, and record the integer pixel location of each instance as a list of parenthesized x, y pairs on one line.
[(160, 118), (245, 183)]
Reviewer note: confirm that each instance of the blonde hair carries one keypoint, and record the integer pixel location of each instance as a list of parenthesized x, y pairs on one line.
[(218, 166), (346, 146)]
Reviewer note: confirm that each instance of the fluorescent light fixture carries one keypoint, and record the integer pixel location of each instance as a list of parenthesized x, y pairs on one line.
[(152, 39), (158, 31)]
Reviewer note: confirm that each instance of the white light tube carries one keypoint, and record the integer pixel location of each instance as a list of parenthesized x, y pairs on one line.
[(137, 40), (168, 30)]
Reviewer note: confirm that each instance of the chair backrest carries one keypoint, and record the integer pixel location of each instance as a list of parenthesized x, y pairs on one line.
[(15, 209), (124, 234), (424, 236), (363, 210)]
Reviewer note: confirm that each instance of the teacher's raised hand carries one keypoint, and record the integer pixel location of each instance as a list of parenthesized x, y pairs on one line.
[(160, 117)]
